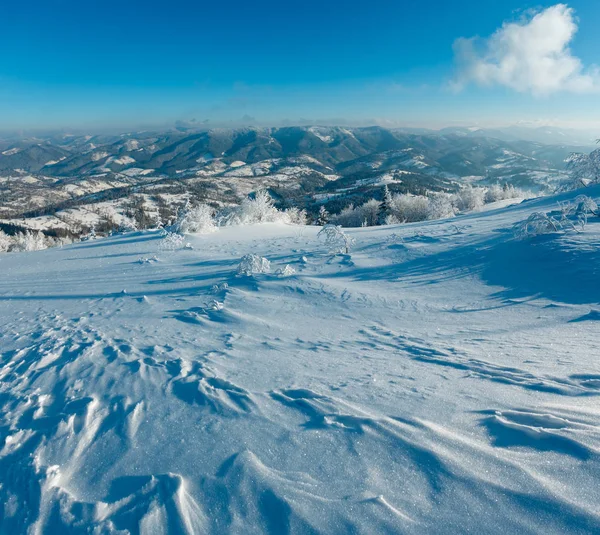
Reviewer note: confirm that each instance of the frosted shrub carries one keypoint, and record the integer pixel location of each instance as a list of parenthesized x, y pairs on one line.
[(579, 210), (369, 212), (29, 241), (469, 199), (500, 193), (127, 224), (260, 209), (586, 205), (287, 271), (440, 206), (196, 220), (334, 236), (172, 241), (252, 264), (295, 216), (365, 215), (348, 217), (5, 242), (536, 224), (407, 208)]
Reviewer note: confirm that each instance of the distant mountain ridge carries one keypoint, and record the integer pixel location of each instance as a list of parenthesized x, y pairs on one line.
[(459, 151), (302, 166)]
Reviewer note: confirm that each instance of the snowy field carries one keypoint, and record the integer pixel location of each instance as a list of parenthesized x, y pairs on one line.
[(442, 377)]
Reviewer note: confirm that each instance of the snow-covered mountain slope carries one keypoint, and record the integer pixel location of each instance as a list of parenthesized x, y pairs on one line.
[(440, 378)]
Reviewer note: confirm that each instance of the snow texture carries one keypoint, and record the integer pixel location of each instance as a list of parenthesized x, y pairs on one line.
[(439, 377)]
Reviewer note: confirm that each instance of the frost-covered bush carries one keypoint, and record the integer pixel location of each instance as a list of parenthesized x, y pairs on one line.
[(575, 213), (196, 219), (365, 215), (335, 237), (469, 198), (369, 212), (127, 224), (287, 271), (348, 217), (570, 216), (172, 241), (262, 209), (440, 206), (585, 205), (294, 216), (500, 193), (5, 242), (536, 224), (252, 264), (259, 209), (29, 241), (407, 208)]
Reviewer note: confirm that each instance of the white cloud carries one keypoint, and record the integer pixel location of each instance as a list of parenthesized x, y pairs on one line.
[(531, 55)]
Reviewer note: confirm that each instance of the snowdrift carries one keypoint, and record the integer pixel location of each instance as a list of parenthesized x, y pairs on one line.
[(438, 377)]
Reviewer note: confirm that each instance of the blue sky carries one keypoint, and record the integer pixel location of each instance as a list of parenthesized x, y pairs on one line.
[(120, 64)]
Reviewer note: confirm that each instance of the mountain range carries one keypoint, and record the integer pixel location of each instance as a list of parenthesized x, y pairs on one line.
[(302, 166)]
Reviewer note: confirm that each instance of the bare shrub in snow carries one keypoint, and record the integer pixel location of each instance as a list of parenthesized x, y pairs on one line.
[(469, 198), (197, 219), (336, 237), (252, 264)]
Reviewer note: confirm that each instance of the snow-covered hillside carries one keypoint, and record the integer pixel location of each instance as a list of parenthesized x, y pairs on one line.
[(442, 377)]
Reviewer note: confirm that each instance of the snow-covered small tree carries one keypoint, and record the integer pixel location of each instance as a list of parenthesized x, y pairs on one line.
[(336, 237), (323, 217), (584, 170), (385, 206)]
